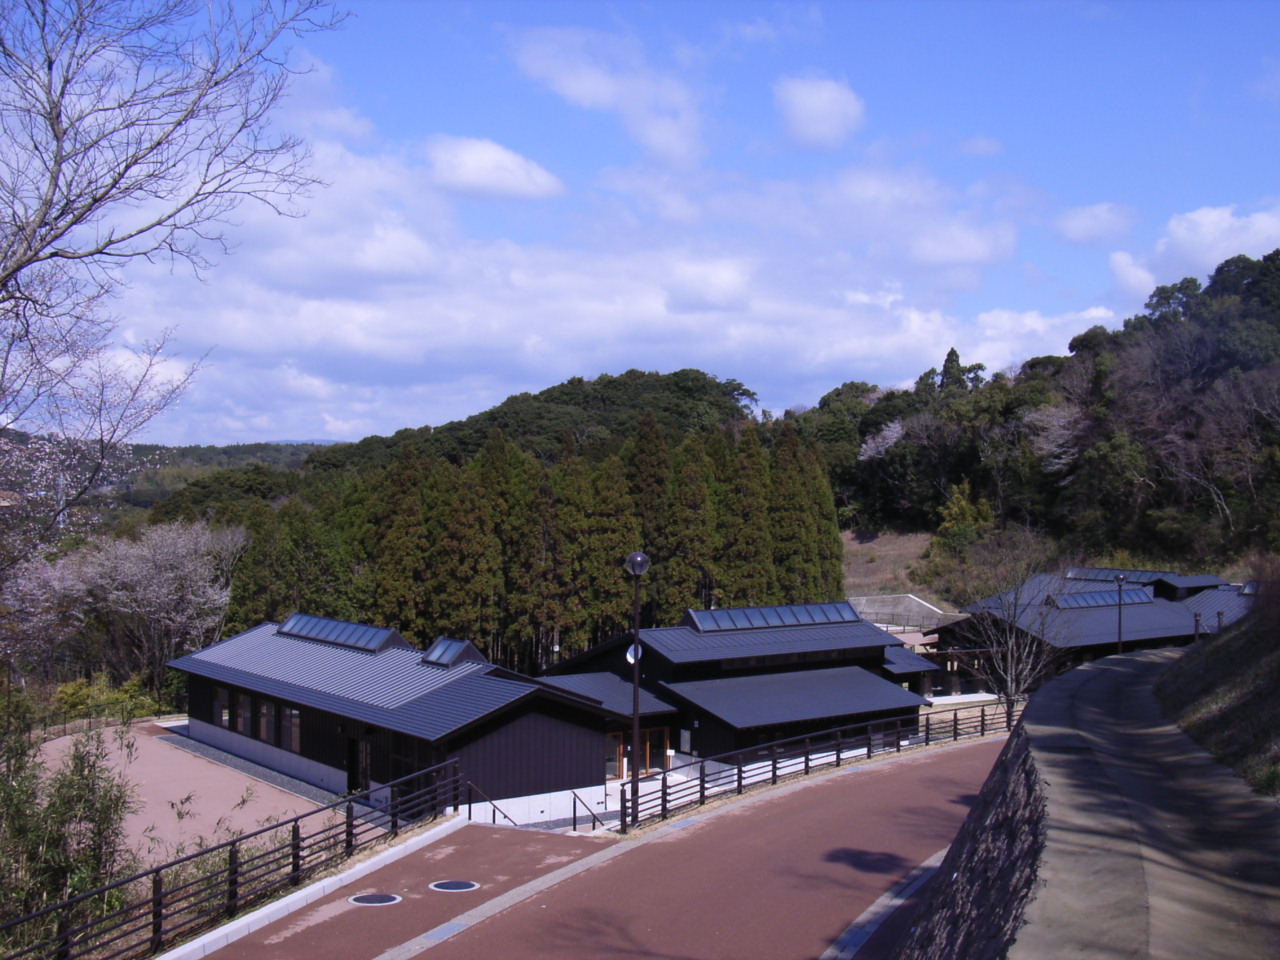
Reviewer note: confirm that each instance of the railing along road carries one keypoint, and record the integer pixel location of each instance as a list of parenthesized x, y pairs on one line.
[(142, 914), (692, 784)]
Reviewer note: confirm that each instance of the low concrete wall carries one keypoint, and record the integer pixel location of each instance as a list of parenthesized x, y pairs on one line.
[(974, 905)]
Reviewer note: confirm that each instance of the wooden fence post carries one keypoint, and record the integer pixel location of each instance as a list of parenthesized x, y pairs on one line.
[(233, 878), (349, 842), (702, 783), (295, 843), (157, 910)]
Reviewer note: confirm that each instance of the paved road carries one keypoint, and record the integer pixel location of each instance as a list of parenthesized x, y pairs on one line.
[(776, 876), (1154, 850)]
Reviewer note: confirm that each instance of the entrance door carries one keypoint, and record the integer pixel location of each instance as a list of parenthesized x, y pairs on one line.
[(358, 750)]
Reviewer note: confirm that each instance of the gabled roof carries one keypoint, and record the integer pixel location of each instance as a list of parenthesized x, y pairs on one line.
[(1194, 581), (1108, 574), (611, 691), (390, 687), (800, 695), (901, 661), (743, 632), (1098, 625), (1233, 600)]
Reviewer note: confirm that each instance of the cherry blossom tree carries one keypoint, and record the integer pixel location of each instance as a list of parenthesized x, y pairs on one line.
[(128, 129)]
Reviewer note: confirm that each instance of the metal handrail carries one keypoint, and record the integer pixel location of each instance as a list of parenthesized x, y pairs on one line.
[(595, 821), (165, 902), (493, 806), (831, 747)]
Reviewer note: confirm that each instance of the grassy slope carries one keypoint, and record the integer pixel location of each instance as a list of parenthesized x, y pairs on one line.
[(1222, 692)]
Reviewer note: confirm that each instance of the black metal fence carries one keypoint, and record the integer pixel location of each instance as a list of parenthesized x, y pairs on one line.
[(692, 784), (144, 913)]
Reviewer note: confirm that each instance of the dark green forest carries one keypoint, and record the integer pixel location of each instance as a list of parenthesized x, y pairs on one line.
[(1158, 442)]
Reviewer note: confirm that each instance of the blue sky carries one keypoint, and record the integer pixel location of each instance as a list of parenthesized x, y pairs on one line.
[(792, 195)]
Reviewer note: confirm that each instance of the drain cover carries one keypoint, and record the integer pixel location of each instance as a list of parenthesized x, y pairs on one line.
[(374, 899), (455, 886)]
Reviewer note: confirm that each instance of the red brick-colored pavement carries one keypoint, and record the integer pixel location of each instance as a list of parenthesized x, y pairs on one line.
[(779, 875)]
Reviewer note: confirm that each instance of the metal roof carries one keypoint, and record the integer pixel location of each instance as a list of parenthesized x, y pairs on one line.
[(1096, 626), (1109, 574), (1233, 601), (900, 660), (686, 644), (1191, 581), (358, 636), (797, 696), (745, 618), (613, 692), (390, 688)]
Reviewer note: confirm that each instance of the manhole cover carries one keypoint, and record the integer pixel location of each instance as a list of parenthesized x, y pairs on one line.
[(455, 886), (374, 899)]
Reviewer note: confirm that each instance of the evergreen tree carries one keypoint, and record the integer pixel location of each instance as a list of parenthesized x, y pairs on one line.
[(690, 579), (747, 574), (401, 555)]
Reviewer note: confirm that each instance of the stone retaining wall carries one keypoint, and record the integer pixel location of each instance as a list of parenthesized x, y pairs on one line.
[(974, 904)]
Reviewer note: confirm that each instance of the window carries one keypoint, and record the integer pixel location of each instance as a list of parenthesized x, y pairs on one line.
[(290, 729), (221, 707), (243, 714), (267, 721)]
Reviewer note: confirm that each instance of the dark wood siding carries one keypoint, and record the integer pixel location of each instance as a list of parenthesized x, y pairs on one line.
[(541, 749)]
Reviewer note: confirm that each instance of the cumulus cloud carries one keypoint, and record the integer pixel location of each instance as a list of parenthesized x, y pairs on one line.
[(1132, 278), (598, 71), (818, 112), (485, 168), (1096, 222), (1193, 244)]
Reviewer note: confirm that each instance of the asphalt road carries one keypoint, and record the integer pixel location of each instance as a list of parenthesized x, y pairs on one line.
[(778, 875)]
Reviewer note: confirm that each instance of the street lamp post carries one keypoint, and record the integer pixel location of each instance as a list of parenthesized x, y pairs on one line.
[(637, 566), (1120, 578)]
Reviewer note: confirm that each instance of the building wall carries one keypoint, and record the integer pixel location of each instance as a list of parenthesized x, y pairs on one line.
[(290, 764), (541, 749)]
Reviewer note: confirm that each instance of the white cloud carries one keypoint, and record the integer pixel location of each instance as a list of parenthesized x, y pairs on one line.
[(818, 112), (957, 240), (1096, 222), (981, 146), (1193, 244), (485, 168), (600, 71), (1206, 237), (700, 285), (1132, 278)]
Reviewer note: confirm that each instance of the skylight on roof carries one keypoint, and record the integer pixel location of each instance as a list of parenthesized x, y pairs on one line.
[(1100, 598), (746, 618), (358, 636)]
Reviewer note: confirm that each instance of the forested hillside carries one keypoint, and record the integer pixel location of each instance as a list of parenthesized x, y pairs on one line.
[(1161, 438), (523, 555)]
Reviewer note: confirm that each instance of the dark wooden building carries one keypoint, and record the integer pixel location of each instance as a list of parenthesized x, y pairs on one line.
[(726, 680), (346, 706)]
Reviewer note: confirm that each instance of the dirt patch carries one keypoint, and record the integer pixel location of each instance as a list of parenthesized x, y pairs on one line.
[(876, 563)]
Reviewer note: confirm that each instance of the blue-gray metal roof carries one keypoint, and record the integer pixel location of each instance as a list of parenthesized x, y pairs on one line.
[(1038, 586), (1233, 601), (1109, 574), (358, 636), (1192, 581), (612, 691), (1094, 626), (900, 660), (684, 644), (797, 696), (391, 688)]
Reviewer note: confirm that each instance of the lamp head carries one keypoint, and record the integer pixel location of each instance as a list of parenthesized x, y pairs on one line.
[(637, 564)]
